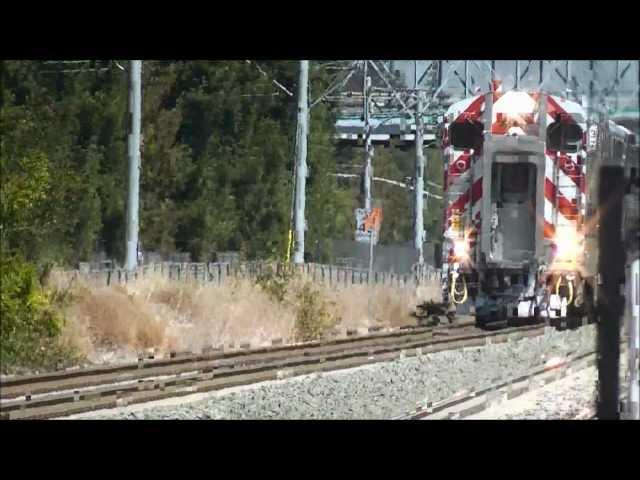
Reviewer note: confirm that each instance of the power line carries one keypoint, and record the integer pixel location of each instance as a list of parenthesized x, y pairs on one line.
[(274, 81), (404, 185)]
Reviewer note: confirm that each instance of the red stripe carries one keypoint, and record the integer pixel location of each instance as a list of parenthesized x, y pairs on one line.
[(549, 230), (549, 190), (472, 112), (565, 207), (571, 169), (476, 191), (553, 107), (458, 167), (459, 204)]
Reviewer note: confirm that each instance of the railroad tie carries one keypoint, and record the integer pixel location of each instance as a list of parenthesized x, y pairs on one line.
[(284, 373)]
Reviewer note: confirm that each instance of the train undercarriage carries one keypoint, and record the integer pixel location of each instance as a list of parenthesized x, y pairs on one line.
[(513, 296)]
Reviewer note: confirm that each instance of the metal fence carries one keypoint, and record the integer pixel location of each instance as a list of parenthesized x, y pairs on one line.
[(220, 273)]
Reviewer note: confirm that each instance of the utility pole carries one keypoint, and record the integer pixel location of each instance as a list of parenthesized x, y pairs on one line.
[(419, 183), (467, 89), (301, 160), (368, 146), (569, 89), (371, 234), (135, 116)]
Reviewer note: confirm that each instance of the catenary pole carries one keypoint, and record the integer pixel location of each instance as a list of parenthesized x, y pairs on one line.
[(301, 160), (135, 117), (368, 146), (419, 183)]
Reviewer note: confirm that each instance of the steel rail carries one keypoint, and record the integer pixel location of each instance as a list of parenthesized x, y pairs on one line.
[(57, 399), (476, 401)]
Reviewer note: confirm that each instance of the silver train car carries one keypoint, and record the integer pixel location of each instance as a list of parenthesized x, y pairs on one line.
[(521, 207)]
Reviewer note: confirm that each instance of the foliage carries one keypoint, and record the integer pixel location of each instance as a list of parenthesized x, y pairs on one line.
[(216, 175), (275, 281), (217, 161), (31, 321), (396, 202), (314, 317)]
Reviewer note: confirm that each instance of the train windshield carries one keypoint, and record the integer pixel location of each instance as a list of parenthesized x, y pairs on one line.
[(564, 137), (466, 135)]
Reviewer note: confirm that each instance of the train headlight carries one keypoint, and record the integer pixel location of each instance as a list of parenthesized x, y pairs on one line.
[(460, 248), (569, 245)]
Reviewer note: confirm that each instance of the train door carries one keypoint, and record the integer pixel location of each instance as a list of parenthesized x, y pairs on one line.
[(513, 203)]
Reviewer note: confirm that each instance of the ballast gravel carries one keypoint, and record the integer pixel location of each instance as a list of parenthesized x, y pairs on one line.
[(377, 391), (570, 398)]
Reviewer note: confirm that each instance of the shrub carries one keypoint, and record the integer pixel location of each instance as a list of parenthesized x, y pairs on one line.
[(31, 321), (275, 281), (314, 319)]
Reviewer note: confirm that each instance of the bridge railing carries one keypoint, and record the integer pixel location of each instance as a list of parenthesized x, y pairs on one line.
[(336, 276)]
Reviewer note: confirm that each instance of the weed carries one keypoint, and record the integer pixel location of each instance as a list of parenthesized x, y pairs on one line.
[(314, 316)]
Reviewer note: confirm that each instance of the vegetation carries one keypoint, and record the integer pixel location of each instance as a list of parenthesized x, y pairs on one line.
[(217, 172), (31, 319), (314, 316)]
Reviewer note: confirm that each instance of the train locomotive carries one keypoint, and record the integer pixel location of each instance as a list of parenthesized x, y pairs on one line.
[(520, 212)]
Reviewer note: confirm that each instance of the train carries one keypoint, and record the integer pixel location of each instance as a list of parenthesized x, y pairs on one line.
[(520, 226)]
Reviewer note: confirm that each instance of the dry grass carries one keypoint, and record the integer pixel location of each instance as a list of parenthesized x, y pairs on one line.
[(104, 323)]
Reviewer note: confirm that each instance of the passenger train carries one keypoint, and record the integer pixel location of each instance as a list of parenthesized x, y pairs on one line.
[(521, 207)]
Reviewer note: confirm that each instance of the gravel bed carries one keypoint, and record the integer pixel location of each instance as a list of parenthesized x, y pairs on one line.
[(376, 391), (566, 399), (570, 398)]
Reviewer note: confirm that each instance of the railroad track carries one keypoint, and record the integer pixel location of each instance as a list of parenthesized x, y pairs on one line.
[(471, 402), (59, 394)]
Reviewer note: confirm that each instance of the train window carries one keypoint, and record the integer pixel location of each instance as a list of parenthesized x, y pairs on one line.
[(465, 135), (564, 137), (514, 182)]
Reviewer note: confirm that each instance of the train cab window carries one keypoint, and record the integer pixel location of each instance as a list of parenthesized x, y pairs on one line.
[(465, 135), (514, 183), (564, 137)]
